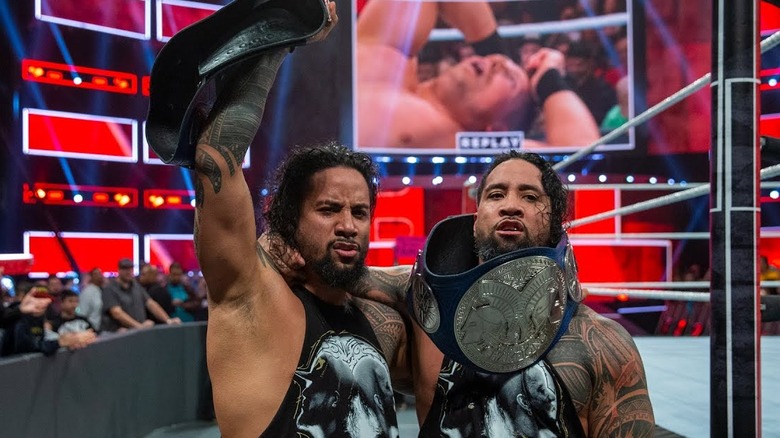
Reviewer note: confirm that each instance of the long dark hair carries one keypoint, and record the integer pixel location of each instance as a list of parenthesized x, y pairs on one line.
[(292, 183), (551, 183)]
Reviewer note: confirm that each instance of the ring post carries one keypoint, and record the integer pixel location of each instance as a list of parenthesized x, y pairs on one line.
[(735, 393)]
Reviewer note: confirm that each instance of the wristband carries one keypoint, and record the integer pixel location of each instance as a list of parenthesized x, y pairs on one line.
[(551, 82), (490, 45)]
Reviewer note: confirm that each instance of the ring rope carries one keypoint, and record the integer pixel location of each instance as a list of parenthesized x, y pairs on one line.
[(691, 88), (766, 173), (545, 27), (651, 294), (664, 284)]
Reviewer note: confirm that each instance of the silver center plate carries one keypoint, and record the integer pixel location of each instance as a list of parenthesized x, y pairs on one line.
[(509, 317), (426, 308)]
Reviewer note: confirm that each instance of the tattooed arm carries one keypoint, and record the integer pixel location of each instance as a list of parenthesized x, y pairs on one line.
[(224, 215), (387, 285), (603, 372)]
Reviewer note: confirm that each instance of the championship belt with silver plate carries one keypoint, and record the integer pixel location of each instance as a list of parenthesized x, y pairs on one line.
[(497, 317)]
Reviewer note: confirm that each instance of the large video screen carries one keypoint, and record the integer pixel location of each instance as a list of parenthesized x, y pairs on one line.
[(455, 77)]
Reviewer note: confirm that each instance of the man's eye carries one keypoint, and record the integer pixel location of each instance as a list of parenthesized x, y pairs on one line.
[(531, 198), (495, 195)]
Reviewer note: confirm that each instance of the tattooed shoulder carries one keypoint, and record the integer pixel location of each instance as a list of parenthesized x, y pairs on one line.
[(393, 281), (387, 324)]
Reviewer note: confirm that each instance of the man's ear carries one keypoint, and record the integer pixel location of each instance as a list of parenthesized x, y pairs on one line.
[(474, 227)]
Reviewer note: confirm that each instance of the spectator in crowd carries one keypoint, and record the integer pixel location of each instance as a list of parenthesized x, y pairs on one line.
[(182, 295), (528, 47), (580, 73), (149, 279), (91, 298), (618, 114), (55, 288), (25, 304), (68, 321), (28, 334), (125, 303)]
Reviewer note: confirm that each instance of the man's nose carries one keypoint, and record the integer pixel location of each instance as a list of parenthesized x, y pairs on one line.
[(511, 207), (346, 225)]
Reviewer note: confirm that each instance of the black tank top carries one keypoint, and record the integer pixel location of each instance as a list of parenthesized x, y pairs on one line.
[(528, 403), (341, 387)]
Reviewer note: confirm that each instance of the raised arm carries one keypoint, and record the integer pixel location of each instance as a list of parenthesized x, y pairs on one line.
[(407, 25), (567, 120), (402, 25), (224, 216)]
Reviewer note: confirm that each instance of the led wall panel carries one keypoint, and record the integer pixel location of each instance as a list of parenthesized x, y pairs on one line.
[(82, 196), (79, 77), (91, 250), (175, 15), (128, 18), (163, 249), (74, 135)]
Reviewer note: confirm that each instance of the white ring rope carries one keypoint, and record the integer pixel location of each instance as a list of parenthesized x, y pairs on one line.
[(766, 173), (654, 294), (650, 294), (691, 88), (545, 27)]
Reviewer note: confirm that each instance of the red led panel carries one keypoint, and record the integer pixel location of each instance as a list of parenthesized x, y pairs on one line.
[(769, 125), (82, 196), (175, 15), (145, 85), (73, 135), (16, 264), (625, 260), (163, 249), (101, 250), (79, 77), (769, 18), (129, 18), (167, 199)]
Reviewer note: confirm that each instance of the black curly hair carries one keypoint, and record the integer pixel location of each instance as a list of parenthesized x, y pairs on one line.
[(292, 183), (551, 183)]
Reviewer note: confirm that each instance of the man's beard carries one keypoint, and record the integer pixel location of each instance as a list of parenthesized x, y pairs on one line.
[(339, 277), (490, 247)]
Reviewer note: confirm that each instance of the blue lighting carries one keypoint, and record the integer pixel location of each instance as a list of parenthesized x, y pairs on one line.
[(384, 159), (437, 160), (461, 160), (437, 180), (653, 180), (412, 160), (472, 179), (264, 192), (630, 179), (571, 177), (406, 180)]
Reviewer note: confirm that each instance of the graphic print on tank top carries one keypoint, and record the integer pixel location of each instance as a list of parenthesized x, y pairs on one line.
[(345, 391), (472, 404)]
